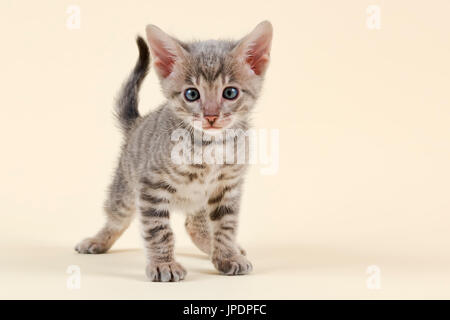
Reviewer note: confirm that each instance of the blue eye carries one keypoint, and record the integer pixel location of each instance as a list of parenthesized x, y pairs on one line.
[(230, 93), (191, 94)]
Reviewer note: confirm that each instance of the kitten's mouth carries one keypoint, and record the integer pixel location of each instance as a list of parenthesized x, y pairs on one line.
[(209, 127), (218, 125)]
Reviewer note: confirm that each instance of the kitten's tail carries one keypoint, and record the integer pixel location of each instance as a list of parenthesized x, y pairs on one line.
[(127, 102)]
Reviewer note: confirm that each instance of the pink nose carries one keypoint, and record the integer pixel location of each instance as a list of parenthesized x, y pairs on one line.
[(211, 119)]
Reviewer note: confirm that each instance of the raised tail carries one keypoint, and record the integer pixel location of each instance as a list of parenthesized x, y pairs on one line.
[(127, 102)]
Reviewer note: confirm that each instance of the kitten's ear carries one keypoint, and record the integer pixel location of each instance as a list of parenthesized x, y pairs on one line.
[(164, 49), (254, 48)]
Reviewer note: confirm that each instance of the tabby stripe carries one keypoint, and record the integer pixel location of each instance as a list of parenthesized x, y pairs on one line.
[(162, 258), (216, 199), (121, 214), (122, 204), (198, 166), (166, 237), (175, 94), (203, 74), (188, 79), (218, 72), (224, 177), (171, 175), (152, 199), (206, 142), (220, 196), (251, 94), (154, 231), (158, 185), (190, 175), (220, 211), (152, 212), (219, 234), (228, 224), (231, 186), (218, 240), (237, 168)]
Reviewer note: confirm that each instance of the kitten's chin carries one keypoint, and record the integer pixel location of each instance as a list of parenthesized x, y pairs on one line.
[(213, 130)]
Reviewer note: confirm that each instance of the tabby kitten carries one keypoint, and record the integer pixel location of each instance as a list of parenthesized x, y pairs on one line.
[(210, 86)]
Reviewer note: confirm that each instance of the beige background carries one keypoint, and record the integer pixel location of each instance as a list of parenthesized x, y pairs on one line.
[(364, 174)]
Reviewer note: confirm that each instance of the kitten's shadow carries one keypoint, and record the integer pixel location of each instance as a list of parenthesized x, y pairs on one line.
[(116, 251), (130, 264)]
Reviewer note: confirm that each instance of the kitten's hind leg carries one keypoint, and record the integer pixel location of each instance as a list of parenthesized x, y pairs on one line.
[(120, 208), (198, 229)]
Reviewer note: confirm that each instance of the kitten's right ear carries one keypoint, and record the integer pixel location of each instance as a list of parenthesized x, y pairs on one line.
[(165, 50)]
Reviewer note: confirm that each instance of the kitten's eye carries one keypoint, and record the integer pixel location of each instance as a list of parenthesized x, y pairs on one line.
[(230, 93), (191, 94)]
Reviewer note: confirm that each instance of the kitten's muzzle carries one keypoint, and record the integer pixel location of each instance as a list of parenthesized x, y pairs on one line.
[(215, 121)]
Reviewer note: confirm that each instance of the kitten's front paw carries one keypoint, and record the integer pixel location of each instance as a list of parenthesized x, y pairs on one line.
[(165, 272), (91, 245), (235, 265)]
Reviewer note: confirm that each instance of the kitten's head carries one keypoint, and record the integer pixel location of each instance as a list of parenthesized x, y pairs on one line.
[(212, 84)]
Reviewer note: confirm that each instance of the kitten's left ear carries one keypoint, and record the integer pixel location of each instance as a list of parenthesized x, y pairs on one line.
[(254, 48)]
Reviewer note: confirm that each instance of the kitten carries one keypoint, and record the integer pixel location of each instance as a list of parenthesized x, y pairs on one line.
[(210, 86)]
